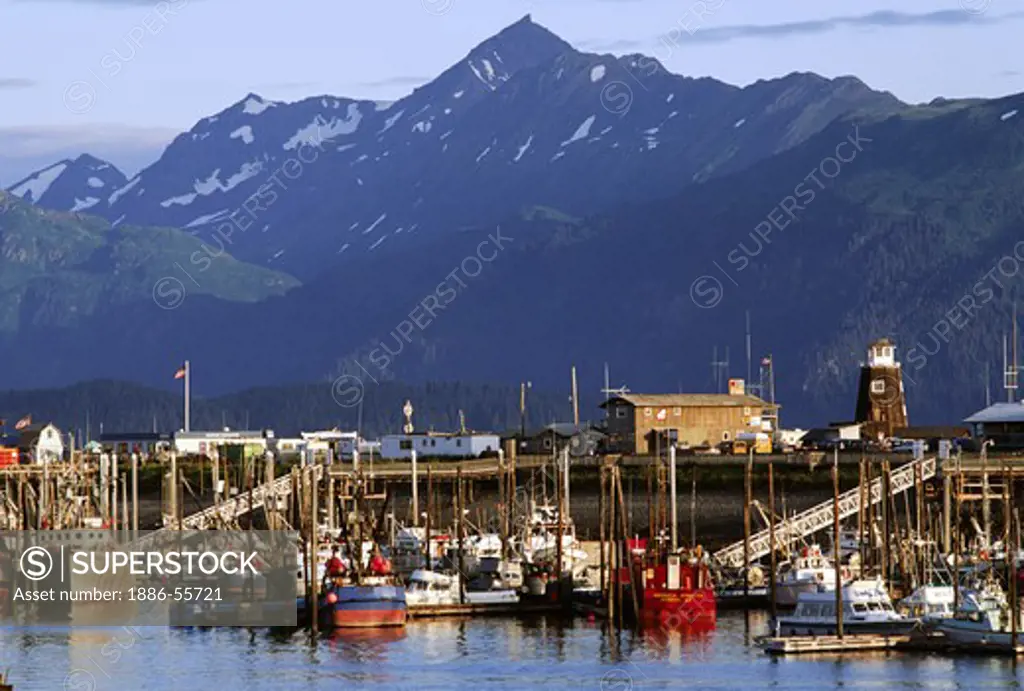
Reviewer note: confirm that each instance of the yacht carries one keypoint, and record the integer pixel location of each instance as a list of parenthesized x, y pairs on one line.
[(810, 572), (866, 609)]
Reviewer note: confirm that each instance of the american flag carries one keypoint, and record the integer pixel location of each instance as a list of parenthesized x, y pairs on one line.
[(180, 374), (767, 361), (23, 422)]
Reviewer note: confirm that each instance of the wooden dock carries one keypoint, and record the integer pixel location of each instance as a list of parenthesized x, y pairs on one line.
[(473, 610), (796, 645)]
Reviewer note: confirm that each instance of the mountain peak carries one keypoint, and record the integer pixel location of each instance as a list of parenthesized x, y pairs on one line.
[(522, 36)]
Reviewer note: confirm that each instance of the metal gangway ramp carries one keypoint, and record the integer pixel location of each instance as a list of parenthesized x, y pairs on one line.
[(226, 512), (821, 516)]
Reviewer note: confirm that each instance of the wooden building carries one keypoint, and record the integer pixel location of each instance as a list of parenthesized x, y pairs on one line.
[(648, 423), (1000, 423), (42, 443), (881, 402), (555, 436)]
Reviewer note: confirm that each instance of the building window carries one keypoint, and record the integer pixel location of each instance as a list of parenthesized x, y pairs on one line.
[(677, 411), (458, 442), (725, 436), (547, 443), (746, 411), (433, 442), (405, 444), (424, 442), (878, 386), (620, 411)]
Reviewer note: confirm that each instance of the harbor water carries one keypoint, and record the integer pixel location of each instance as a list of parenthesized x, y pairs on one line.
[(541, 653)]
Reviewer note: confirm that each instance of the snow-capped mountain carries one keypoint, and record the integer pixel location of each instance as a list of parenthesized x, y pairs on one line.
[(69, 185), (523, 120)]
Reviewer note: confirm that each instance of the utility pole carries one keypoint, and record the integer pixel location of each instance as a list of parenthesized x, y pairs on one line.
[(672, 487)]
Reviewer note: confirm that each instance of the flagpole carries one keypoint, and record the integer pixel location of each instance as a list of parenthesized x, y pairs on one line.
[(188, 395)]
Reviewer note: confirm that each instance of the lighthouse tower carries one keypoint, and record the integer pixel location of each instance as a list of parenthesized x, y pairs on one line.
[(881, 403)]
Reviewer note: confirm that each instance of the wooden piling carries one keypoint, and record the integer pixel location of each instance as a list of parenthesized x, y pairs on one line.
[(773, 566), (461, 531), (836, 553), (956, 537), (634, 586), (430, 513), (314, 491), (1013, 548), (601, 532), (747, 492), (135, 495), (862, 516)]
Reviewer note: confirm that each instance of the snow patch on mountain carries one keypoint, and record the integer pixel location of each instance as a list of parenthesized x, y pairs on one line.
[(82, 204), (118, 193), (375, 224), (213, 184), (95, 183), (390, 122), (254, 105), (245, 133), (582, 132), (183, 200), (207, 218), (321, 129), (522, 149), (597, 73)]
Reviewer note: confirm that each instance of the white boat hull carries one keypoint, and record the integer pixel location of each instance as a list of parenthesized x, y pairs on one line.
[(960, 632)]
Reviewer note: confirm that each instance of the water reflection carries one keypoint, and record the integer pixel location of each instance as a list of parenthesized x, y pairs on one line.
[(538, 653)]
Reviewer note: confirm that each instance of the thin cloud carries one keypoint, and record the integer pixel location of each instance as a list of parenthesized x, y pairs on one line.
[(885, 19), (396, 81), (17, 83)]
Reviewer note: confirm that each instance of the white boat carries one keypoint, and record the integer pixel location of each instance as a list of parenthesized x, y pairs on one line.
[(929, 603), (866, 609), (427, 589), (808, 573), (540, 542), (983, 621)]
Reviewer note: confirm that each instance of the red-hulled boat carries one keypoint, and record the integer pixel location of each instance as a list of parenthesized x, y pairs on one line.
[(677, 588)]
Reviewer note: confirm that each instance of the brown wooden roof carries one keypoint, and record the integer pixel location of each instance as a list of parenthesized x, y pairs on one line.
[(689, 400)]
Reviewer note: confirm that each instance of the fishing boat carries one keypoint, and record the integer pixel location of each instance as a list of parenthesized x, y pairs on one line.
[(982, 621), (929, 603), (867, 608), (432, 592), (375, 601), (678, 590), (540, 542), (810, 572)]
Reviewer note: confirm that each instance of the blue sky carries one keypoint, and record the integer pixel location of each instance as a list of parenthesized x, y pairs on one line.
[(180, 60)]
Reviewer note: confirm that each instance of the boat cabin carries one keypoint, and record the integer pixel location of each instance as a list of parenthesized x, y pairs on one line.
[(862, 601)]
